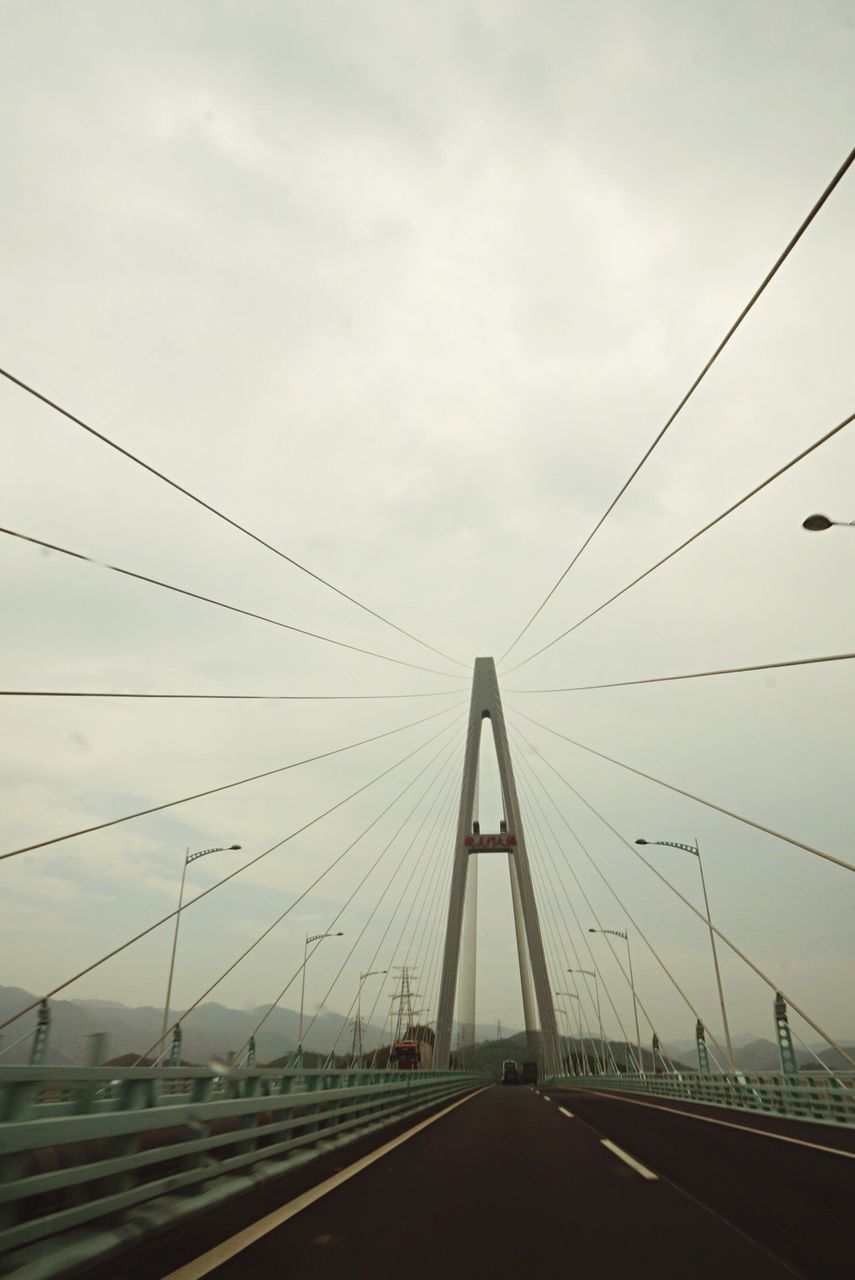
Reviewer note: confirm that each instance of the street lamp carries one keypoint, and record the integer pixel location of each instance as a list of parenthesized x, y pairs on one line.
[(695, 849), (188, 858), (623, 933), (817, 524), (568, 1060), (357, 1038), (310, 937), (580, 1054), (591, 974)]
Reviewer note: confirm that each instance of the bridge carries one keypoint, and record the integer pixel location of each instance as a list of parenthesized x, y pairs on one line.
[(625, 1133)]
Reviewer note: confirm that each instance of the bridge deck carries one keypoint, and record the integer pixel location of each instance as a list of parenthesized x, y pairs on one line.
[(507, 1185)]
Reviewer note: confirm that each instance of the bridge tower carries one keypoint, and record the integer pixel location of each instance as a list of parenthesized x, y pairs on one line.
[(486, 703)]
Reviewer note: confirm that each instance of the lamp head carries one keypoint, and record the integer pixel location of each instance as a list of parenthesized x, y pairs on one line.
[(641, 842), (815, 524)]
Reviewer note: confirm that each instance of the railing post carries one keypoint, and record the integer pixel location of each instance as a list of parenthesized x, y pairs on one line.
[(38, 1049), (174, 1059), (703, 1052), (787, 1054)]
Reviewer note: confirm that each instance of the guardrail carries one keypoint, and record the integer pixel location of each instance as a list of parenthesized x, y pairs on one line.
[(822, 1099), (147, 1147)]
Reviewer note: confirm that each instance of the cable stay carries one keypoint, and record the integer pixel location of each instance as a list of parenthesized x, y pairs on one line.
[(267, 931), (232, 697), (222, 604), (143, 933), (823, 439), (438, 863), (709, 804), (773, 986), (847, 163), (226, 786), (221, 515), (524, 770), (693, 675), (444, 769), (689, 1005)]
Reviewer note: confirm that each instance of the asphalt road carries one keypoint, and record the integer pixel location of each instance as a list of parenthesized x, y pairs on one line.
[(507, 1185)]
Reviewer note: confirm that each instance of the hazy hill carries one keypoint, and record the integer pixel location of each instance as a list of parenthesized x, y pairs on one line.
[(213, 1030)]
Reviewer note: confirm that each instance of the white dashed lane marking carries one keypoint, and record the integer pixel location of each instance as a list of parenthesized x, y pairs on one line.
[(627, 1159)]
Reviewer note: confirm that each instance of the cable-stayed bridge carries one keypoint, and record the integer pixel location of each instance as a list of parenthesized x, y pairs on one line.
[(373, 1159)]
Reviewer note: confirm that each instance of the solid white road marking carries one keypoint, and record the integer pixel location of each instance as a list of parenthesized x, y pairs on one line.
[(728, 1124), (565, 1112), (208, 1262), (633, 1164)]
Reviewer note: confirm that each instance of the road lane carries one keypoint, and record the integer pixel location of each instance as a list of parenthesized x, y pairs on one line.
[(504, 1186), (793, 1196)]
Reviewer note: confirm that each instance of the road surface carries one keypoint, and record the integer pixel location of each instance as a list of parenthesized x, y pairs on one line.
[(507, 1184)]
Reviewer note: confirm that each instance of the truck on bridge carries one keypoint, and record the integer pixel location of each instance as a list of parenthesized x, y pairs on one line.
[(411, 1055)]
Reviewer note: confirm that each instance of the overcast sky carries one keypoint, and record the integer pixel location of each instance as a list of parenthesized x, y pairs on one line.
[(408, 290)]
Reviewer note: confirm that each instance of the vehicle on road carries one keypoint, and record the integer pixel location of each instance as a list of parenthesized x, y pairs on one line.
[(510, 1072), (411, 1055), (529, 1073)]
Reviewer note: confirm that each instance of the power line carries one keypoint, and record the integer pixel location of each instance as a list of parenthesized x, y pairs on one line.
[(221, 604), (709, 804), (697, 382), (823, 439), (230, 697), (132, 457), (775, 986), (227, 786), (82, 973), (693, 675)]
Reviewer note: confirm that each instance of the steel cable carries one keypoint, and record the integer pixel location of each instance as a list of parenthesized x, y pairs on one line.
[(226, 786), (445, 766), (709, 804), (219, 883), (266, 932), (823, 439), (774, 986), (694, 675), (52, 404), (222, 604), (697, 382)]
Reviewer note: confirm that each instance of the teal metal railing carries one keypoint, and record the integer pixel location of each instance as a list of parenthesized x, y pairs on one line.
[(155, 1145), (826, 1099)]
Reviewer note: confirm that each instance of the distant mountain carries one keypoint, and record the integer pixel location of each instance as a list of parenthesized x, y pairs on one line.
[(833, 1059), (762, 1055), (212, 1030)]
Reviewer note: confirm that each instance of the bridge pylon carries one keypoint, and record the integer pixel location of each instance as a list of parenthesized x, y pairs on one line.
[(486, 703)]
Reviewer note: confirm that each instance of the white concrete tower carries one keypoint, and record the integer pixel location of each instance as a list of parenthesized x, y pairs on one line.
[(486, 702)]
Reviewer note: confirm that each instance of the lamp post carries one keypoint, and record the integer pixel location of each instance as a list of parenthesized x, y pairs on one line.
[(695, 850), (310, 937), (624, 933), (188, 858), (573, 1064), (818, 524), (591, 974), (357, 1039), (581, 1054)]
